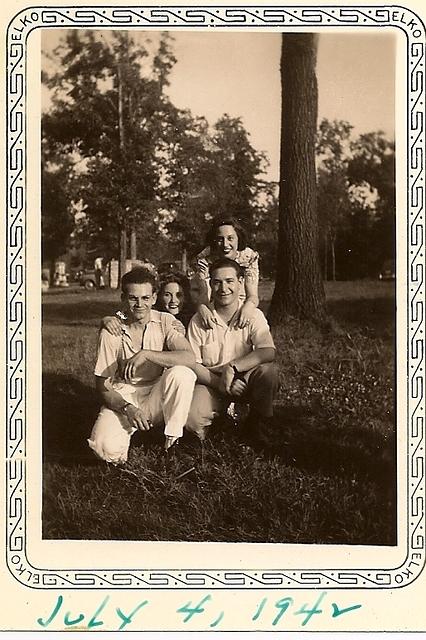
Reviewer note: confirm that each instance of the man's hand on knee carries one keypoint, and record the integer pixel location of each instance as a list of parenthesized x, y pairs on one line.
[(238, 388), (226, 380), (136, 418)]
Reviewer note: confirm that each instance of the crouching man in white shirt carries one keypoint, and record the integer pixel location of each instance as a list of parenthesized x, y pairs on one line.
[(231, 363), (145, 375)]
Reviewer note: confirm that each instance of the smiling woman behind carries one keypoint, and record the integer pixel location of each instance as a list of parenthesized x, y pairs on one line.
[(174, 297), (226, 238)]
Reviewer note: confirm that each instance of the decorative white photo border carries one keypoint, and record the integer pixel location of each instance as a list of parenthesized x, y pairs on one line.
[(168, 18)]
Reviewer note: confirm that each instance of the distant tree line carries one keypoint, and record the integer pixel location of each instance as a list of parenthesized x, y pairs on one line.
[(355, 201), (355, 204)]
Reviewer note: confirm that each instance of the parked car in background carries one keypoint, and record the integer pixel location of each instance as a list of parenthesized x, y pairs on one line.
[(86, 278)]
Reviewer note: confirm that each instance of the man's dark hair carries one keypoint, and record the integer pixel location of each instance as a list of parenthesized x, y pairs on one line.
[(226, 263), (220, 221), (139, 275)]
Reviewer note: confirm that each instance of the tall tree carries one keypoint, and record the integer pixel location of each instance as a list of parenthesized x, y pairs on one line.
[(187, 165), (238, 168), (298, 289), (108, 111), (209, 172)]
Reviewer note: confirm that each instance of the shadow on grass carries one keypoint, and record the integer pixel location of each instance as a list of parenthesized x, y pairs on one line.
[(69, 412), (303, 440), (309, 442), (300, 438)]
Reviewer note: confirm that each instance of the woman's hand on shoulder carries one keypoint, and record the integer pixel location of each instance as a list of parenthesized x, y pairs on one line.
[(112, 325), (245, 314), (208, 321)]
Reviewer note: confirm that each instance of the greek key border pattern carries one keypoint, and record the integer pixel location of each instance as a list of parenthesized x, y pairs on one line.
[(221, 16)]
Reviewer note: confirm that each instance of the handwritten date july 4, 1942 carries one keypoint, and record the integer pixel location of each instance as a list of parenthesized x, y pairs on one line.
[(267, 610)]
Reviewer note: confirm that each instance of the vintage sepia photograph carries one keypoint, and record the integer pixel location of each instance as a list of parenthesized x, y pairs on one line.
[(218, 283)]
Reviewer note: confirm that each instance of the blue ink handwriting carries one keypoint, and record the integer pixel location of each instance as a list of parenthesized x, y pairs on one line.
[(95, 620), (191, 611), (339, 612), (284, 603), (270, 611)]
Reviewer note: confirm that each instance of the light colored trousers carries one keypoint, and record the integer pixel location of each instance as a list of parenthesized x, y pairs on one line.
[(167, 402)]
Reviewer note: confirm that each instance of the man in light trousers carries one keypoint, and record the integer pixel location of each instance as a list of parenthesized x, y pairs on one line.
[(144, 376)]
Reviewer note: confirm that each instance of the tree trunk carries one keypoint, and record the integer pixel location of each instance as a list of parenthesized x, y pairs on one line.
[(333, 260), (122, 135), (133, 245), (299, 290), (123, 252), (184, 260), (325, 278)]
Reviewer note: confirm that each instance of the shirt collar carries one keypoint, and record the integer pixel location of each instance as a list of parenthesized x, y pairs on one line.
[(154, 316), (222, 321)]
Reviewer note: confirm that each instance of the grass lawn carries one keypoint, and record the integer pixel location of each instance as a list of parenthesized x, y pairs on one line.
[(329, 477)]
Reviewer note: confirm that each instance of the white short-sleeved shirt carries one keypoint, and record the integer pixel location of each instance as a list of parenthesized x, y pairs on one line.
[(162, 331), (216, 347)]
